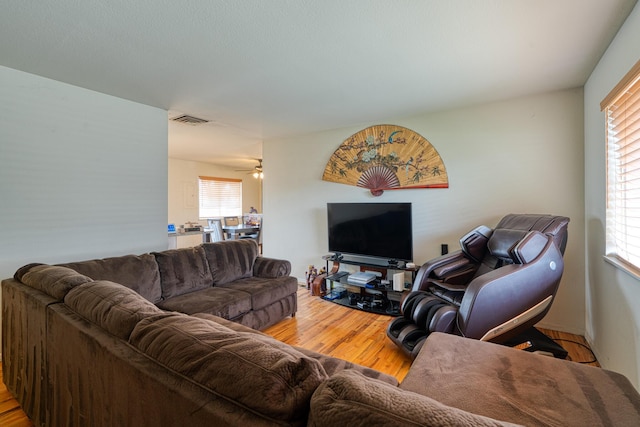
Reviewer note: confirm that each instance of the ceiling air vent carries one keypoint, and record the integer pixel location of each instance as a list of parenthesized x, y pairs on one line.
[(185, 118)]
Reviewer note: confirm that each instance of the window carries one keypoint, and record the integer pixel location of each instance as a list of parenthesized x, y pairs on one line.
[(219, 197), (622, 110)]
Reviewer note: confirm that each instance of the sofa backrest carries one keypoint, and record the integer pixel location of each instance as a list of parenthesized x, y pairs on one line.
[(258, 372), (94, 378), (137, 272), (231, 260), (350, 398), (155, 276), (111, 306)]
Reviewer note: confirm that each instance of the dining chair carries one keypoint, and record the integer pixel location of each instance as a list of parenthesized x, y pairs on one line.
[(216, 234), (256, 235)]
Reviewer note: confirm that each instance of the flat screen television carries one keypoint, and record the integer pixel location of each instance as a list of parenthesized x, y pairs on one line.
[(380, 230)]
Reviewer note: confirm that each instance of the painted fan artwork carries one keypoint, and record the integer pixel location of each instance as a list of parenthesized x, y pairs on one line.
[(387, 157)]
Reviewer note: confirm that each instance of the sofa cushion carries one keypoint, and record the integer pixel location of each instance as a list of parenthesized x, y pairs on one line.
[(138, 272), (115, 308), (183, 271), (349, 398), (53, 280), (256, 371), (223, 302), (264, 292), (231, 260)]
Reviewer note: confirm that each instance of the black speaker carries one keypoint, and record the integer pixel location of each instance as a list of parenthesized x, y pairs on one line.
[(353, 299), (444, 249)]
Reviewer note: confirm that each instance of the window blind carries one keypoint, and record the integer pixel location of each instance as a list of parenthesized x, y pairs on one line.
[(219, 197), (622, 108)]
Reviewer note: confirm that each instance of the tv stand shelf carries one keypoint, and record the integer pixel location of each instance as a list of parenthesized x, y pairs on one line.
[(375, 296), (401, 265)]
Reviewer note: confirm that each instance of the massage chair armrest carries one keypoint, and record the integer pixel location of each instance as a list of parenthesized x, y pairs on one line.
[(518, 288), (446, 285), (454, 268), (457, 267)]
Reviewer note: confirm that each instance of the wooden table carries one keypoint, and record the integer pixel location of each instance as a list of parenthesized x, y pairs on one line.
[(235, 231)]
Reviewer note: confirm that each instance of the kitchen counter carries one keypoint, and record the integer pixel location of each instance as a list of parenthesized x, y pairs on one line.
[(185, 240)]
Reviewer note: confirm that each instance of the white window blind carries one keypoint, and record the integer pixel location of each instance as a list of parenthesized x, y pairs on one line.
[(622, 108), (219, 197)]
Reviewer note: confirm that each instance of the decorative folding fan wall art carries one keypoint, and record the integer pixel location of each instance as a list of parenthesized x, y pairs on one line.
[(387, 157)]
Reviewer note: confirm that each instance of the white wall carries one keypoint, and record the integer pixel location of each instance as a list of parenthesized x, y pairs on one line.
[(82, 174), (183, 188), (613, 297), (518, 156)]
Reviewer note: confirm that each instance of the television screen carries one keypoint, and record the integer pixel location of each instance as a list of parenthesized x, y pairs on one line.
[(382, 230)]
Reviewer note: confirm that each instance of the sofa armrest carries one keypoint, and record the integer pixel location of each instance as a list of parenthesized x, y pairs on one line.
[(350, 398), (271, 267)]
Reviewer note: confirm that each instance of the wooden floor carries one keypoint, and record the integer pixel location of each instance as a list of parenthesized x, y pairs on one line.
[(338, 331), (360, 337), (10, 413)]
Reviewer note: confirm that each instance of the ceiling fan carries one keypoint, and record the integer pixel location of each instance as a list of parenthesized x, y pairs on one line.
[(256, 171)]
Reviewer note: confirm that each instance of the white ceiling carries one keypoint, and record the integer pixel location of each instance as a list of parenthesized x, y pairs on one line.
[(260, 69)]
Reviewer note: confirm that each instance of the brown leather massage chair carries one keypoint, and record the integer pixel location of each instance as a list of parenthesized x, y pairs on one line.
[(495, 288)]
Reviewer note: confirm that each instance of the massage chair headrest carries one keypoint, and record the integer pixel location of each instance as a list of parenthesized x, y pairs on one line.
[(517, 246), (550, 225), (511, 230)]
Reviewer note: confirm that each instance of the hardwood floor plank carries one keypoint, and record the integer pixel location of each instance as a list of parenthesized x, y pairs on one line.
[(11, 415), (342, 332), (360, 337), (338, 331), (576, 345)]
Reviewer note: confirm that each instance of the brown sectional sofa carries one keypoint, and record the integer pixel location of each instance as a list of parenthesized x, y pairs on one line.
[(227, 279), (80, 351)]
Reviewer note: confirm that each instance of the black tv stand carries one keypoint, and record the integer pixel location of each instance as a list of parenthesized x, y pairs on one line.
[(366, 262), (377, 296)]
